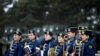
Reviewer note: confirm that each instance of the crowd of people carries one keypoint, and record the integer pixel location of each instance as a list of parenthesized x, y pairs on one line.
[(77, 41)]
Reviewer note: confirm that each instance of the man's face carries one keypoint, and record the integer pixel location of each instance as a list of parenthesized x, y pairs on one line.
[(60, 39), (16, 37), (31, 36), (84, 37), (47, 37), (71, 35)]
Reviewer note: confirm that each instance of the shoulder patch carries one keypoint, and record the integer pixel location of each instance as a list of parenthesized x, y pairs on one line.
[(90, 46)]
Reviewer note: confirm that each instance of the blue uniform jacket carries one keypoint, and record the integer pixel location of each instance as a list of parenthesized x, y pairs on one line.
[(49, 44), (61, 49), (16, 50), (71, 45), (88, 48), (33, 46)]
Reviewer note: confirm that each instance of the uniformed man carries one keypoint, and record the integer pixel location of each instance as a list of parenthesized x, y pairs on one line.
[(78, 41), (61, 46), (72, 32), (16, 47), (32, 47), (49, 44), (81, 28), (88, 46)]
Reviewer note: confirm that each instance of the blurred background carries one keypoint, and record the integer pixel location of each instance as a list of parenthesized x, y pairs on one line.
[(43, 15), (37, 13)]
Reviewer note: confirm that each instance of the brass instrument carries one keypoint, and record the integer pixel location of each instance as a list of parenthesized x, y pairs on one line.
[(52, 52), (78, 44)]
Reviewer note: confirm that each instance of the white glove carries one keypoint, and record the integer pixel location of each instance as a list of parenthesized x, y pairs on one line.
[(27, 48), (37, 48)]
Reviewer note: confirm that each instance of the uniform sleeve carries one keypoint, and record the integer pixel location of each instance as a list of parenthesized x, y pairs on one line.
[(37, 43), (21, 51), (90, 50)]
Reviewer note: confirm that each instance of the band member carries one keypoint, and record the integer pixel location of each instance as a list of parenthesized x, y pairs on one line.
[(49, 44), (16, 47), (71, 42), (32, 47), (88, 46), (78, 41), (80, 29), (61, 46)]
